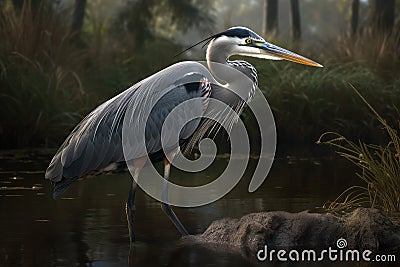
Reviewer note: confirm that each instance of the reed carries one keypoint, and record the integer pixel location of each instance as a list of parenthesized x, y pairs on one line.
[(40, 69), (379, 169)]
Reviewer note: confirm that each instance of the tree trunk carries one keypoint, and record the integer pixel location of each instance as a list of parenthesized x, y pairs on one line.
[(270, 21), (31, 5), (17, 4), (78, 17), (296, 22), (355, 7), (2, 4), (382, 15)]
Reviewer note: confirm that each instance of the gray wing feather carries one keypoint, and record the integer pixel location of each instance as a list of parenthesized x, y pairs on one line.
[(163, 108), (96, 141)]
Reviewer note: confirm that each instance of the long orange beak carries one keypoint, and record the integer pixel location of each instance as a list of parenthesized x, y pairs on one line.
[(281, 53)]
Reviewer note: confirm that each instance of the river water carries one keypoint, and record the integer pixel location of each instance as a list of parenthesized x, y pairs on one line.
[(87, 226)]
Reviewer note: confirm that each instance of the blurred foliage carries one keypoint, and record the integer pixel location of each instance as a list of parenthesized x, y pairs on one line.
[(146, 19), (139, 39)]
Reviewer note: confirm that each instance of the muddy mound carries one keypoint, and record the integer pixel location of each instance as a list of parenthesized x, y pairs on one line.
[(362, 229)]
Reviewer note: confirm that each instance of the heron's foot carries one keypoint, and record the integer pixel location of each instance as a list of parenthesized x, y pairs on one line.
[(171, 215), (130, 212)]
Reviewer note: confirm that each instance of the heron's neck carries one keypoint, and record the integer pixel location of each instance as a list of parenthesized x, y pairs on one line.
[(246, 68), (216, 54), (220, 66), (218, 59)]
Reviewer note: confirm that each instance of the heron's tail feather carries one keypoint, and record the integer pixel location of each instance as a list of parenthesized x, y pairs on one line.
[(62, 186)]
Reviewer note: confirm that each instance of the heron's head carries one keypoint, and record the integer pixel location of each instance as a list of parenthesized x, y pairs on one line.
[(243, 41)]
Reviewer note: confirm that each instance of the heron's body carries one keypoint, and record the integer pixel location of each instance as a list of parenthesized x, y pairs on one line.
[(96, 142)]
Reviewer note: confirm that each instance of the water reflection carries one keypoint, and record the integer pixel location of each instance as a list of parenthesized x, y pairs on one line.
[(87, 226)]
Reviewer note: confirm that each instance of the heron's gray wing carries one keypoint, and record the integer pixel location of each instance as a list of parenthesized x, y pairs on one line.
[(97, 140), (184, 104)]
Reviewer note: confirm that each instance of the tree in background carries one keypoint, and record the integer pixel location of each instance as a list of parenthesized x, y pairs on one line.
[(34, 5), (141, 18), (382, 15), (270, 18), (17, 4), (78, 17), (295, 20), (355, 9)]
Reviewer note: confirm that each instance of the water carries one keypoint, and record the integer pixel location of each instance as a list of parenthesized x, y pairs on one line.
[(87, 226)]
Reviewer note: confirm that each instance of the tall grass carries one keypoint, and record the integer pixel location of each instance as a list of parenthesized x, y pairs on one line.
[(41, 90), (379, 166), (379, 51), (49, 80), (307, 101)]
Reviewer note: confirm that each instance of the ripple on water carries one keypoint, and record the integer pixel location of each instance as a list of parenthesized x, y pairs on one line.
[(42, 220), (11, 188), (16, 178)]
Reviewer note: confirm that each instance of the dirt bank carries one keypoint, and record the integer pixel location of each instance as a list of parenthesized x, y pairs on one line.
[(362, 229)]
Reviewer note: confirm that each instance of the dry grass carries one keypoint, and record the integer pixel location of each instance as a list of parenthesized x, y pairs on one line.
[(41, 89), (380, 170), (379, 51)]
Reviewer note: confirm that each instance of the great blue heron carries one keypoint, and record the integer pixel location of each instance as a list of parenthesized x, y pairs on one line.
[(96, 142)]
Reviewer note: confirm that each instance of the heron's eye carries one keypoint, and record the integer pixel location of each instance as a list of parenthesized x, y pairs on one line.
[(248, 41)]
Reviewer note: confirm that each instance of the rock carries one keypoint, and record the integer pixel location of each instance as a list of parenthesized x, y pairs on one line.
[(371, 229), (363, 229)]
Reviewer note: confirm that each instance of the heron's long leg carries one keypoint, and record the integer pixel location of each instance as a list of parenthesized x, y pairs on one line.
[(130, 210), (130, 204), (166, 207)]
